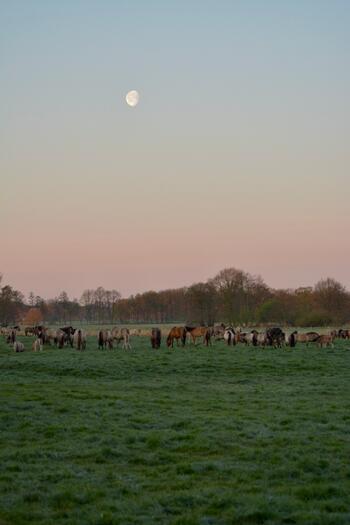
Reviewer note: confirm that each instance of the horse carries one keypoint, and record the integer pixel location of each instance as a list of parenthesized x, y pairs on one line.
[(199, 331), (68, 332), (41, 332), (79, 339), (309, 337), (261, 340), (230, 336), (292, 339), (121, 334), (18, 346), (156, 337), (344, 334), (241, 337), (253, 338), (178, 333), (325, 340), (105, 339), (275, 337), (11, 337), (125, 337), (218, 331), (57, 336), (37, 345)]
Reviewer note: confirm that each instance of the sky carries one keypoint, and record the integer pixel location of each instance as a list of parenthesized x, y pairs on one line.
[(236, 155)]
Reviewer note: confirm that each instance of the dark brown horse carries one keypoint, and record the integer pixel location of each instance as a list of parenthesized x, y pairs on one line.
[(178, 333), (12, 336), (156, 337), (344, 334)]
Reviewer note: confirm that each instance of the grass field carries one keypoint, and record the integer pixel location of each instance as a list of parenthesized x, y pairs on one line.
[(188, 436)]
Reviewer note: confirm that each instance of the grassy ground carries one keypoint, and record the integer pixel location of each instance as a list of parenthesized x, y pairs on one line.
[(189, 436)]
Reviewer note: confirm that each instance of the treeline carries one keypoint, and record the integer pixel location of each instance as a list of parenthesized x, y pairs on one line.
[(232, 296)]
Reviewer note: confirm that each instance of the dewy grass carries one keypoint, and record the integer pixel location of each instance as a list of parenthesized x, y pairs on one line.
[(184, 436)]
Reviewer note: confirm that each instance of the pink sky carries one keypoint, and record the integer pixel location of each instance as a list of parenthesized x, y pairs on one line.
[(237, 155)]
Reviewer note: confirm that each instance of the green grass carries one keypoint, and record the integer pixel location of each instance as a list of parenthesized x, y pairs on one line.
[(188, 436)]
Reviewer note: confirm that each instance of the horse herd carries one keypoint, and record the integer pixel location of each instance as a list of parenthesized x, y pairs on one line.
[(108, 338), (274, 337)]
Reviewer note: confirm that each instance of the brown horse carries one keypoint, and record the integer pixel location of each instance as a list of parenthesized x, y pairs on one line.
[(344, 334), (177, 332), (199, 331), (12, 337), (309, 337), (325, 340), (105, 339), (156, 337)]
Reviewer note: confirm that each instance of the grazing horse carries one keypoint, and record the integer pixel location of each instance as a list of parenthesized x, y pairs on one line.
[(121, 334), (309, 337), (105, 339), (68, 334), (79, 339), (218, 331), (241, 337), (325, 340), (156, 337), (18, 347), (178, 333), (199, 331), (275, 337), (230, 336)]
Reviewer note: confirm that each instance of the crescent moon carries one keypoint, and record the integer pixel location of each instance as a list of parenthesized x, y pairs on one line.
[(132, 98)]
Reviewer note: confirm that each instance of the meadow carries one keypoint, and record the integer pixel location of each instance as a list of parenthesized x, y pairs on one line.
[(186, 436)]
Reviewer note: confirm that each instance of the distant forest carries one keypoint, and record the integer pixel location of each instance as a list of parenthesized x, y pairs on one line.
[(232, 296)]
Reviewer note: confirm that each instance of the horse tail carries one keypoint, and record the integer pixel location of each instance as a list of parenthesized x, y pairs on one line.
[(79, 344)]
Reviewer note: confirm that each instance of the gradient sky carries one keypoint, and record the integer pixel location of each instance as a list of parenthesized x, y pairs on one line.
[(237, 154)]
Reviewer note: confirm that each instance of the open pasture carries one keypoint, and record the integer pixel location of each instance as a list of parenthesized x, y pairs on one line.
[(185, 436)]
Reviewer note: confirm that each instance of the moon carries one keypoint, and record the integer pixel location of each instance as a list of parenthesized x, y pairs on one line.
[(132, 98)]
